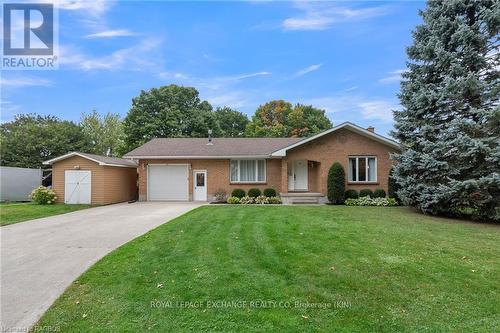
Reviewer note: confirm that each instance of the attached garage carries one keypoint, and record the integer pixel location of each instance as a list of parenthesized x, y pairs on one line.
[(168, 182), (80, 178)]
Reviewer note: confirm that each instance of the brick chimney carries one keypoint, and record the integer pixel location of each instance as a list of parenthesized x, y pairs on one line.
[(371, 129)]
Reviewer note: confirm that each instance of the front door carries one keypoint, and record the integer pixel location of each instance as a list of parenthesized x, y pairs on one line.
[(297, 176), (200, 185)]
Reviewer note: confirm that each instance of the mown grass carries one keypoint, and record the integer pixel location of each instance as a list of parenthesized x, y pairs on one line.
[(11, 213), (375, 269)]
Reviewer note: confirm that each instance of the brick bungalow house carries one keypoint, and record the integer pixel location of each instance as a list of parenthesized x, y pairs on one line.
[(185, 169)]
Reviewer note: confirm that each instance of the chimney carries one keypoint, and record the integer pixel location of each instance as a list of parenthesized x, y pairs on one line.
[(371, 129), (209, 143)]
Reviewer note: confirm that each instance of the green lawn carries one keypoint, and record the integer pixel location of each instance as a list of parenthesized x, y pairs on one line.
[(352, 269), (11, 213)]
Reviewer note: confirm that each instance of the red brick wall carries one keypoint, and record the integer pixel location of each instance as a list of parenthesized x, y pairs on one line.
[(337, 147), (217, 175)]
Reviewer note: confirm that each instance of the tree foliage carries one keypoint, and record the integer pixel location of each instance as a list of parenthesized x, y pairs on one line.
[(105, 132), (336, 183), (169, 111), (280, 119), (450, 117), (31, 139), (231, 122)]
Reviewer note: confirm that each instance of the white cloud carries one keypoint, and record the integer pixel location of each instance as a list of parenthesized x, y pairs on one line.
[(92, 7), (138, 57), (393, 77), (309, 69), (111, 34), (379, 109), (25, 81), (212, 83), (318, 15)]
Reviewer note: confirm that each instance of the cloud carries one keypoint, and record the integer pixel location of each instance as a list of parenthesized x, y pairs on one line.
[(138, 57), (111, 34), (309, 69), (212, 83), (318, 15), (94, 7), (393, 77), (25, 81), (379, 109)]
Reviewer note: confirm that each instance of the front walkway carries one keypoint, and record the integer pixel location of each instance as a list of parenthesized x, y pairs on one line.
[(40, 258)]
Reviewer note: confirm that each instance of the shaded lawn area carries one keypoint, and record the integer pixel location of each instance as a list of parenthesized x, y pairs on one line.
[(11, 213), (379, 268)]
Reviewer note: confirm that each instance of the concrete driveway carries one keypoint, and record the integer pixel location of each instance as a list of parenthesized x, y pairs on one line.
[(40, 258)]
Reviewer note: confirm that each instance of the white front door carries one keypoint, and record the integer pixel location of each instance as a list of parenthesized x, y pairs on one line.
[(77, 186), (200, 185), (297, 176)]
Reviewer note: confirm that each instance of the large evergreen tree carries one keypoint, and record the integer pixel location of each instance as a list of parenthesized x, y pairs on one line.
[(449, 125)]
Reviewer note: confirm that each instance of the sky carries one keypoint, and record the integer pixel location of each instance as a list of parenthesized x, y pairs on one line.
[(345, 57)]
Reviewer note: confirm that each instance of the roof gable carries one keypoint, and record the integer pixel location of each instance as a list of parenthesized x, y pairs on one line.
[(346, 125), (101, 160)]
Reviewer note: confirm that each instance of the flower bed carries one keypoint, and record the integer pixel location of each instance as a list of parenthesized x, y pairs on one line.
[(260, 200), (369, 201)]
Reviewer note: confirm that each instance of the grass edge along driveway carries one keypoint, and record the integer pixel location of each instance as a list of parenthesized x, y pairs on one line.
[(11, 213), (348, 269)]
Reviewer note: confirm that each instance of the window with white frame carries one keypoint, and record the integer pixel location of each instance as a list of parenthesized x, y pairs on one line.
[(362, 169), (248, 171)]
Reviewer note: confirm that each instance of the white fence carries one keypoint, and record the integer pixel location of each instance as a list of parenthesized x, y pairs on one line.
[(17, 183)]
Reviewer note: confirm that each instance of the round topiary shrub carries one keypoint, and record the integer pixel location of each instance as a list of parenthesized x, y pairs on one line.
[(379, 193), (336, 183), (351, 194), (366, 192), (238, 193), (270, 192), (43, 196), (254, 192)]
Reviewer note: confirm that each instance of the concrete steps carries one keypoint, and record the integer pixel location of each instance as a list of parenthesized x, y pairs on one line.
[(302, 198)]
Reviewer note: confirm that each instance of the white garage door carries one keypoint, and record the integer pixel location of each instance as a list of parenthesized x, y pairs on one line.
[(77, 186), (168, 182)]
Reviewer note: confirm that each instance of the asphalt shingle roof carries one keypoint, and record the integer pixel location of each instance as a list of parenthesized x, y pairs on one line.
[(187, 147)]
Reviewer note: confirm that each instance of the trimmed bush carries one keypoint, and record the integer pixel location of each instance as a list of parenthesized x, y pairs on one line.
[(270, 192), (392, 186), (367, 201), (254, 192), (351, 194), (233, 200), (366, 192), (379, 193), (274, 200), (43, 196), (220, 195), (238, 192), (246, 200), (336, 183)]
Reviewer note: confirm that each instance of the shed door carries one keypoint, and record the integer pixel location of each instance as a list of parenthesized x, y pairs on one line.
[(168, 182), (77, 186)]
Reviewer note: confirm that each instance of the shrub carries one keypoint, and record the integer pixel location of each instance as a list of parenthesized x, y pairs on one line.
[(238, 192), (254, 192), (351, 194), (270, 192), (262, 199), (220, 195), (274, 200), (366, 192), (392, 186), (246, 200), (43, 196), (336, 183), (379, 193), (233, 200), (368, 201)]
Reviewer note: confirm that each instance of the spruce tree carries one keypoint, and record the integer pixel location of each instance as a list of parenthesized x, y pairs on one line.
[(449, 124)]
